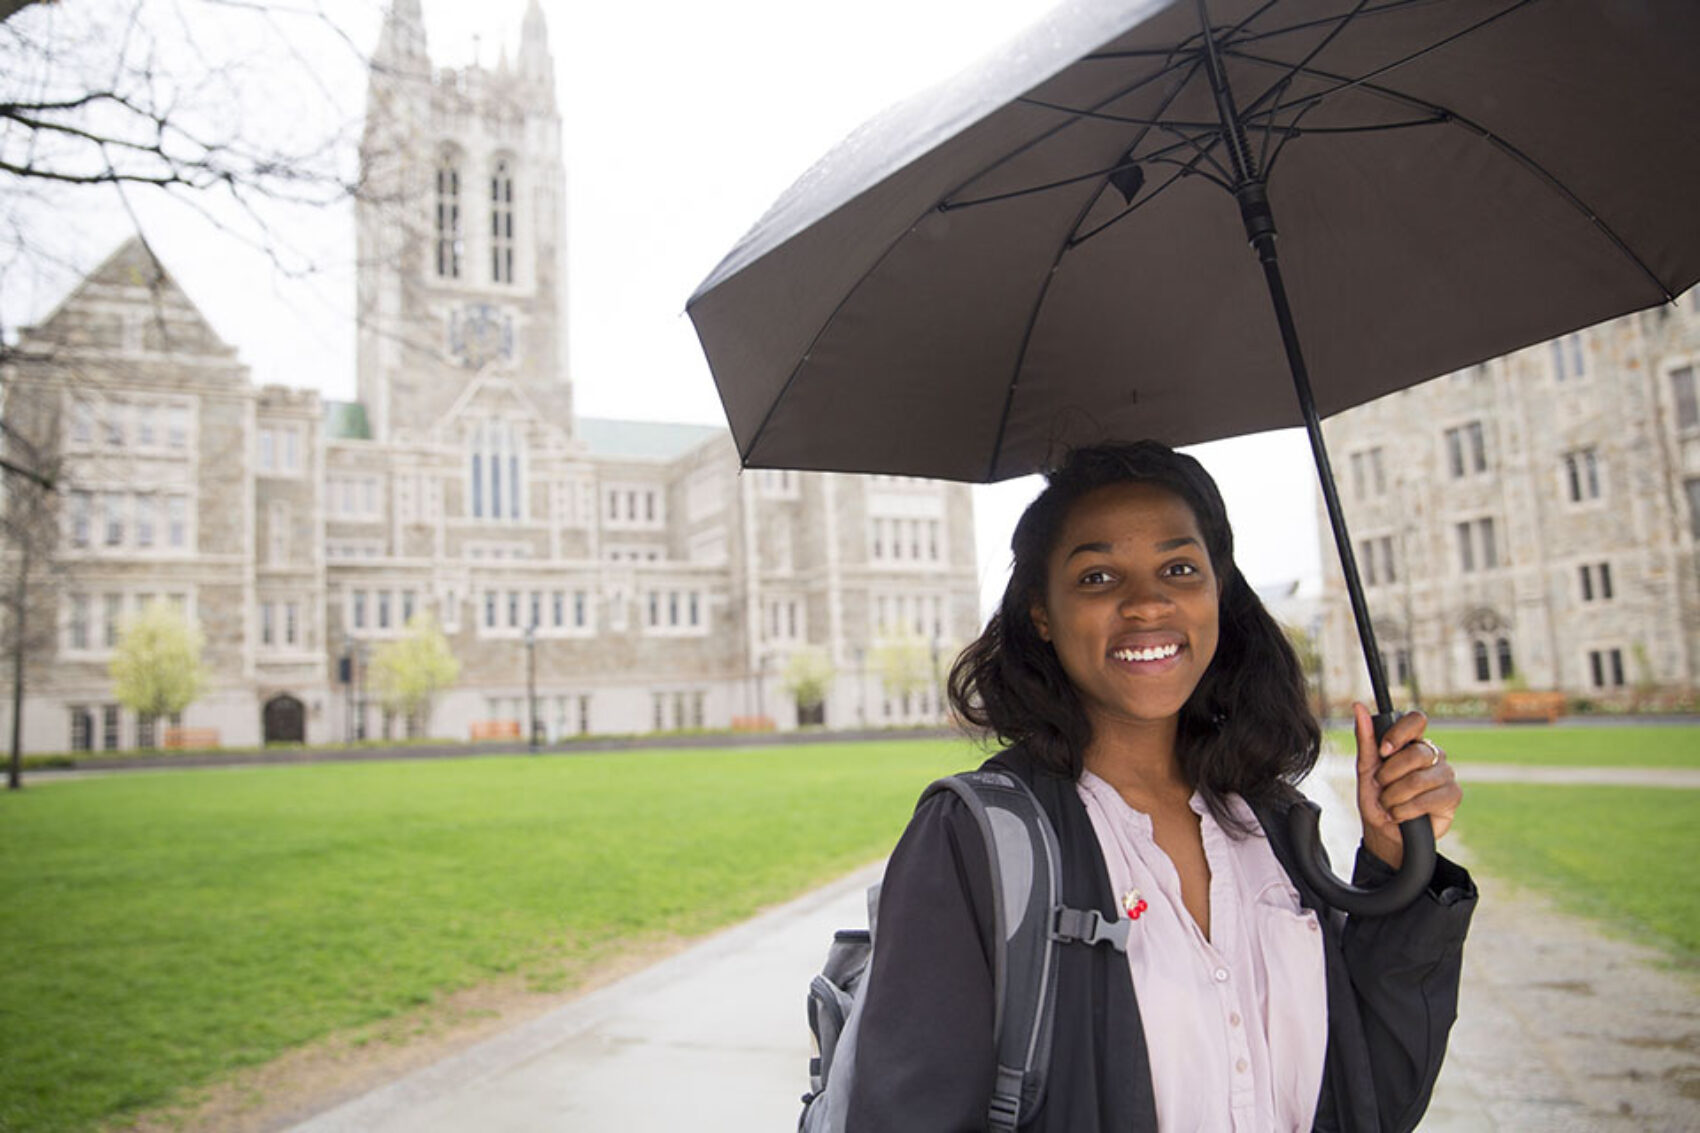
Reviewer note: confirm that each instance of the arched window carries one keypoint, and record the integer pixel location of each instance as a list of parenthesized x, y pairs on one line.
[(502, 222), (1480, 651), (497, 487), (449, 240), (1503, 650)]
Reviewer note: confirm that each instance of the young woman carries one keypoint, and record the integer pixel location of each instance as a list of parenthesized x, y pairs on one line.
[(1159, 715)]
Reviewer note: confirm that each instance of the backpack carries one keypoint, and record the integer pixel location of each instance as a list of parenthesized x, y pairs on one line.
[(1029, 922)]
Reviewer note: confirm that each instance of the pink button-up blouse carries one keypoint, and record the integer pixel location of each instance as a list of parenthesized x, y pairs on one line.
[(1236, 1025)]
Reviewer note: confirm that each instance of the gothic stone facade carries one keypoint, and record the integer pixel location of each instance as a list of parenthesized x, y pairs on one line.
[(628, 575), (1532, 520)]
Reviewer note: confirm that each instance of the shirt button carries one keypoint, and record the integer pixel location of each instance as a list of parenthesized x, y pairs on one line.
[(1240, 1066), (1234, 1019), (1221, 975)]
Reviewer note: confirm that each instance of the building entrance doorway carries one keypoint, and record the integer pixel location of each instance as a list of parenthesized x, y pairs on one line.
[(285, 720)]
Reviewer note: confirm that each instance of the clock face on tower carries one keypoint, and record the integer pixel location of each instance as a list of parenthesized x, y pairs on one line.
[(481, 333)]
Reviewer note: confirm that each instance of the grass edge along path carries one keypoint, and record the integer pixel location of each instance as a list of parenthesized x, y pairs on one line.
[(1628, 745), (173, 928), (1621, 856)]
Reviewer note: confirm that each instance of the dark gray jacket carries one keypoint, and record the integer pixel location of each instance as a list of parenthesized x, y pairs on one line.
[(925, 1055)]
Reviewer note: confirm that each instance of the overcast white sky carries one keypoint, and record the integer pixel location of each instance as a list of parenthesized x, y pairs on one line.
[(682, 122)]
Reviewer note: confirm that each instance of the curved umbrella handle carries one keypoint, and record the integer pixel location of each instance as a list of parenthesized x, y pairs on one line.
[(1415, 871), (1407, 885)]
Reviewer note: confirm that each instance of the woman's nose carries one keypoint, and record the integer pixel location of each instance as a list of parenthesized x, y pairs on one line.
[(1143, 599)]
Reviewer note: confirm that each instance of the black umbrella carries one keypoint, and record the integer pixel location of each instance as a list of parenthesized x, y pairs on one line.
[(1050, 250)]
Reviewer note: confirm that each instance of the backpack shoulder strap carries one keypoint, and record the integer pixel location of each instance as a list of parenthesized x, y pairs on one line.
[(1026, 868)]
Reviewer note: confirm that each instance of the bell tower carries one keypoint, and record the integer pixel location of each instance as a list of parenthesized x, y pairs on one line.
[(461, 229)]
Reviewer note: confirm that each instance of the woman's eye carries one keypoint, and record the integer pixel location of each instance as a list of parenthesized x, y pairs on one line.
[(1095, 577), (1180, 569)]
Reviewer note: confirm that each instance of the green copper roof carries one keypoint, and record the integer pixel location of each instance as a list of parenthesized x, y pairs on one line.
[(346, 421), (643, 440)]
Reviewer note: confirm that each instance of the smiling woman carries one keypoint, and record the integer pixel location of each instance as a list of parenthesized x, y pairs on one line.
[(1157, 714)]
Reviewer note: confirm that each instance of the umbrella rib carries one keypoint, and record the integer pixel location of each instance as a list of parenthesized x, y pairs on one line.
[(1027, 336), (1074, 116), (1343, 83), (1184, 169), (1501, 143)]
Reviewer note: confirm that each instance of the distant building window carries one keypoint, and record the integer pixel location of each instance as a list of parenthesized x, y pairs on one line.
[(109, 727), (449, 241), (177, 426), (1377, 564), (81, 506), (1567, 357), (1466, 450), (1682, 392), (113, 505), (502, 223), (1693, 489), (383, 609), (1605, 668), (112, 613), (1479, 651), (1596, 582), (1502, 654), (1582, 475), (1478, 548), (489, 609), (357, 616), (79, 621), (145, 508), (513, 609), (177, 520), (82, 424), (1369, 476), (82, 728)]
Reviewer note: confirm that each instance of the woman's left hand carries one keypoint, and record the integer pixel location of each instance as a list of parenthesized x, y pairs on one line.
[(1403, 777)]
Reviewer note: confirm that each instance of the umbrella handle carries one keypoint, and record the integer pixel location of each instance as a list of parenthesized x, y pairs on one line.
[(1407, 885), (1415, 871)]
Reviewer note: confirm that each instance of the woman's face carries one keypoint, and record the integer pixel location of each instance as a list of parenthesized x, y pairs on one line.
[(1130, 603)]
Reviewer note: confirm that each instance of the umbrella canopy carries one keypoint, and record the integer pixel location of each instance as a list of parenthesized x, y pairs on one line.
[(1051, 250), (1043, 252)]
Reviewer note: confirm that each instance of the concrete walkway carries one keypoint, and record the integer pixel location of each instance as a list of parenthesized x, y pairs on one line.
[(715, 1040)]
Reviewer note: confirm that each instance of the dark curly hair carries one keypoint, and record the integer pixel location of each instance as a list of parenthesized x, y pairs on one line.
[(1247, 729)]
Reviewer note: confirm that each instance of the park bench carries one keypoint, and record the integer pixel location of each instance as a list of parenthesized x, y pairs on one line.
[(495, 730), (180, 739), (1522, 706)]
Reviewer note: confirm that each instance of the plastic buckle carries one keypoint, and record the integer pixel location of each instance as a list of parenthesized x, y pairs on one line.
[(1089, 927), (1005, 1112)]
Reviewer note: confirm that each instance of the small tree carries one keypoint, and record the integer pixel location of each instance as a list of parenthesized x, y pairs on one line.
[(808, 675), (408, 673), (156, 666), (904, 664)]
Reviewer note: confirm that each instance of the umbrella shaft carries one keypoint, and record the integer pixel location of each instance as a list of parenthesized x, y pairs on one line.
[(1264, 242)]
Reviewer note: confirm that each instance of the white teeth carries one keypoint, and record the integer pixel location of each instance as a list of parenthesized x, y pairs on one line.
[(1155, 653)]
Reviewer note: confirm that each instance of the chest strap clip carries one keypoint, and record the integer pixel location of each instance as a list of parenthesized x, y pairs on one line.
[(1088, 926)]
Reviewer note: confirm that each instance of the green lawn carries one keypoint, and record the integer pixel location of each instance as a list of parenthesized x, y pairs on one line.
[(1626, 746), (162, 929), (1623, 855)]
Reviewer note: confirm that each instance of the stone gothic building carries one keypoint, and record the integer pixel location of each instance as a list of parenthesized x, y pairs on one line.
[(1532, 520), (622, 576)]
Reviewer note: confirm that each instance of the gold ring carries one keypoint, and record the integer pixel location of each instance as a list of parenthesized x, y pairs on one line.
[(1432, 748)]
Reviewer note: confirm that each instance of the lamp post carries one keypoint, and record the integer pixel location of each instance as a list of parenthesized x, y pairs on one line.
[(345, 673), (360, 695), (531, 686)]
